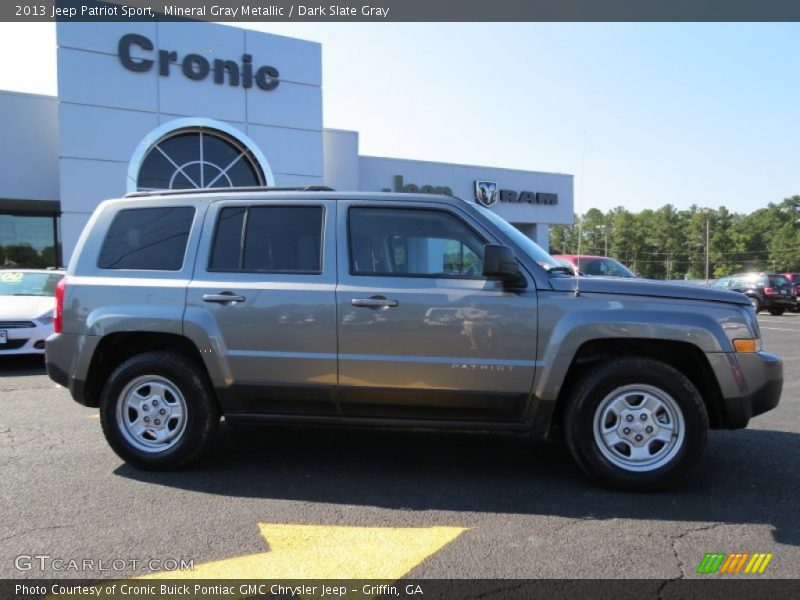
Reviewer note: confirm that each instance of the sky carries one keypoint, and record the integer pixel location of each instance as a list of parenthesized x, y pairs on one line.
[(641, 114)]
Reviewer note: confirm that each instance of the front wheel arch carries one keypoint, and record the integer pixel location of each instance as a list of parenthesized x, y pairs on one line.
[(685, 357)]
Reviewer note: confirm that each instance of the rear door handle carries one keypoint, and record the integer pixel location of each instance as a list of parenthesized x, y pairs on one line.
[(223, 298), (374, 302)]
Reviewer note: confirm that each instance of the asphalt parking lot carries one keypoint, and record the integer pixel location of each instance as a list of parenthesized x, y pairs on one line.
[(428, 506)]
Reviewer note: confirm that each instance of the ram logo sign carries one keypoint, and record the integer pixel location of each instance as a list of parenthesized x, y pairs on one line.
[(485, 192)]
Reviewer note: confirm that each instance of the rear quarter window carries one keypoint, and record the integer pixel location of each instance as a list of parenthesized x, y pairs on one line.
[(150, 239)]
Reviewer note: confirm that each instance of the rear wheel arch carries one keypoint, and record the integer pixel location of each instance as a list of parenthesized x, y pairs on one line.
[(755, 301), (116, 348)]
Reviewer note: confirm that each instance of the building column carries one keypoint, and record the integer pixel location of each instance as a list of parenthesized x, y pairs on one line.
[(542, 236), (538, 232)]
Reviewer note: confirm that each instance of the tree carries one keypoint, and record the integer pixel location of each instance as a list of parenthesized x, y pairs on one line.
[(670, 244), (23, 255)]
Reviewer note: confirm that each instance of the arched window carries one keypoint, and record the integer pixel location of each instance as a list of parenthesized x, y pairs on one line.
[(184, 154)]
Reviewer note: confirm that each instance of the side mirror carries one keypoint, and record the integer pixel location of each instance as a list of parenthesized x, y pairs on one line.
[(500, 263)]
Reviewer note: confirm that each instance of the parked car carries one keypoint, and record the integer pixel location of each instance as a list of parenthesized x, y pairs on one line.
[(27, 300), (766, 291), (794, 279), (405, 310), (602, 266)]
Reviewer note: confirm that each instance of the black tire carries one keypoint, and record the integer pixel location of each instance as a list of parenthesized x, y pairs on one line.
[(596, 385), (777, 312), (201, 416), (756, 303)]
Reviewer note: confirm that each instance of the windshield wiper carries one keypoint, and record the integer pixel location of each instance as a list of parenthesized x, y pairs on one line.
[(560, 269)]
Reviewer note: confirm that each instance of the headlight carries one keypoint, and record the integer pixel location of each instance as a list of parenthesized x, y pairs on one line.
[(749, 341), (752, 321), (46, 318)]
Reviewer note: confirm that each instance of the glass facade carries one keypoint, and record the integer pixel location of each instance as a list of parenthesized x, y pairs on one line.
[(30, 240)]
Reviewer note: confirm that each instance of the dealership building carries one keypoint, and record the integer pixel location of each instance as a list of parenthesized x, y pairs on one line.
[(146, 106)]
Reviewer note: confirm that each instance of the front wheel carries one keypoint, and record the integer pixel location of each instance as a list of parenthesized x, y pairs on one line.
[(777, 312), (158, 411), (636, 424), (755, 304)]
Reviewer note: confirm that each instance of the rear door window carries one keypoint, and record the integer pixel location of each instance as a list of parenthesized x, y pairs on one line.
[(268, 239)]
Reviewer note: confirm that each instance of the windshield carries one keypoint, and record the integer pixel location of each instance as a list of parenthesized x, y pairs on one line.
[(564, 262), (528, 246), (19, 283), (605, 267)]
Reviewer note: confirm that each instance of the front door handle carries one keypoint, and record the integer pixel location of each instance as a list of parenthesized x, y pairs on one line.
[(374, 302), (223, 298)]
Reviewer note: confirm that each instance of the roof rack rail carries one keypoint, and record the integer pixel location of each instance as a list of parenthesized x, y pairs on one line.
[(251, 188)]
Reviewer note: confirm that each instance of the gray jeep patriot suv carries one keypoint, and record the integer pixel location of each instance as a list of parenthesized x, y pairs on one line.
[(389, 310)]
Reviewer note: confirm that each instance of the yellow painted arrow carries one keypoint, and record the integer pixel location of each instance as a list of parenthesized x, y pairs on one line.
[(328, 552)]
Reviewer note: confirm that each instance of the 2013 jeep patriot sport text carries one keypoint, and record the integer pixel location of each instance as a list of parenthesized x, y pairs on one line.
[(389, 310)]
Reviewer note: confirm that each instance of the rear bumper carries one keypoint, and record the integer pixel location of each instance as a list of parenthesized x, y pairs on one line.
[(63, 352), (778, 302), (758, 379)]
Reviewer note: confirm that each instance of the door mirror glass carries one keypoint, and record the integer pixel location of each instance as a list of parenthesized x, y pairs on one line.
[(500, 263)]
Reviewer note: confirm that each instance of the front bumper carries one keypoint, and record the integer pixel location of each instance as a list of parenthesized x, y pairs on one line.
[(751, 384), (25, 340)]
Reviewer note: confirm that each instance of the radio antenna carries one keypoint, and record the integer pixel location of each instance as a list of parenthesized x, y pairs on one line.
[(577, 288)]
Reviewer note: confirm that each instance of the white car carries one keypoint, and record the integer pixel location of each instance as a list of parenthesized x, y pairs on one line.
[(27, 300)]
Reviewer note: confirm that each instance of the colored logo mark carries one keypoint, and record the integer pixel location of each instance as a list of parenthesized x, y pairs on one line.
[(738, 562)]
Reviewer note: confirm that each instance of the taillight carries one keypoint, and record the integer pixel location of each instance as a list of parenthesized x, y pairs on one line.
[(58, 312), (768, 291)]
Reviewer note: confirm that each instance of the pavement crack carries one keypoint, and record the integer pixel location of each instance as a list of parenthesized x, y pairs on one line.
[(502, 590), (664, 584), (680, 564)]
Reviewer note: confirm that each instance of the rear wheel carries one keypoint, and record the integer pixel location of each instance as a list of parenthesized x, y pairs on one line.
[(636, 424), (158, 411), (777, 311)]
